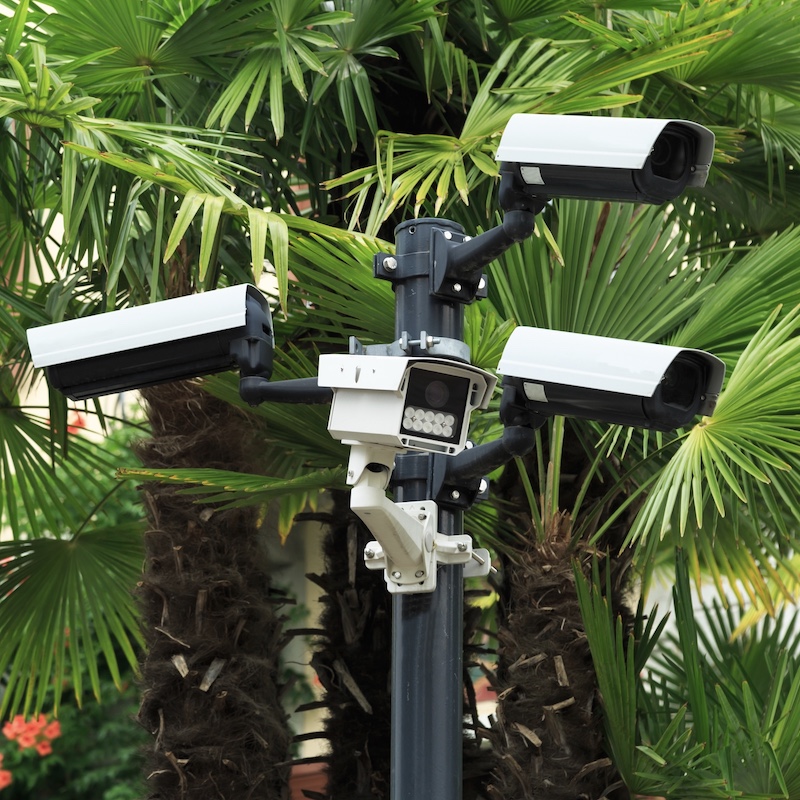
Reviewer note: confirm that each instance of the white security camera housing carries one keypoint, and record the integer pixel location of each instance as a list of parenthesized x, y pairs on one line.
[(405, 403), (610, 380), (165, 341), (605, 158)]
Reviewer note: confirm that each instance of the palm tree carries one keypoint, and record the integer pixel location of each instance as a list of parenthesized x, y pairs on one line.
[(398, 107)]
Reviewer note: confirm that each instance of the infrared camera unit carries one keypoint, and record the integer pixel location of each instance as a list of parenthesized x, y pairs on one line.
[(165, 341), (610, 380), (405, 403), (605, 158)]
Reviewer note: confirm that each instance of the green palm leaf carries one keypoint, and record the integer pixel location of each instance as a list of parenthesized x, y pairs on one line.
[(46, 486), (64, 603), (750, 686), (234, 489), (754, 430)]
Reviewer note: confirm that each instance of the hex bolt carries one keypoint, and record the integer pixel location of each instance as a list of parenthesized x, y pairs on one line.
[(390, 263), (456, 287)]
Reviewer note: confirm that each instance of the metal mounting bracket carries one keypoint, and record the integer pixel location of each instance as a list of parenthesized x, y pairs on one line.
[(438, 346), (408, 546), (436, 548)]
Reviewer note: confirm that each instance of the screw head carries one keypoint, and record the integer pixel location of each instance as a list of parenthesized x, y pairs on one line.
[(390, 263), (456, 287), (369, 554), (455, 494), (397, 575), (419, 573), (422, 517), (461, 547), (448, 235)]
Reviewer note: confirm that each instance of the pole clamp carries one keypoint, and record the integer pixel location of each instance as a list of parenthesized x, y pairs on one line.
[(407, 576)]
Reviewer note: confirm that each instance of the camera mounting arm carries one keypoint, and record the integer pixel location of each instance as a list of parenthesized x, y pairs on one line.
[(456, 263), (435, 259), (254, 389), (408, 547)]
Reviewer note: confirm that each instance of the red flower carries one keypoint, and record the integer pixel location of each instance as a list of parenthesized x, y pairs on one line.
[(53, 730), (44, 748), (26, 740), (35, 725), (18, 724), (78, 422), (5, 778)]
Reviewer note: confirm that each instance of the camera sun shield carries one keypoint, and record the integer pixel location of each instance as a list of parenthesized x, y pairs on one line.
[(169, 340), (610, 380), (605, 158), (408, 403)]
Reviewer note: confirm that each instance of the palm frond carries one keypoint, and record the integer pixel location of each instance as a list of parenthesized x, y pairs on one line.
[(749, 685), (234, 489), (65, 603), (749, 446), (666, 760)]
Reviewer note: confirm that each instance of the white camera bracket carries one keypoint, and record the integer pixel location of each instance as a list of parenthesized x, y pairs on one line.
[(408, 546)]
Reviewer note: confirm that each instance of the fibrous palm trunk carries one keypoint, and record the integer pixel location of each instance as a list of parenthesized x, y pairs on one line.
[(548, 734), (211, 695), (353, 661)]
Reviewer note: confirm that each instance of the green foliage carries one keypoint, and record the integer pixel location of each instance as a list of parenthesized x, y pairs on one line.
[(705, 715), (96, 756), (742, 693), (66, 599), (186, 143)]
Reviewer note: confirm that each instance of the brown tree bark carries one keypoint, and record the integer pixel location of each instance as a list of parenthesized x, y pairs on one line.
[(353, 661), (210, 686), (548, 735)]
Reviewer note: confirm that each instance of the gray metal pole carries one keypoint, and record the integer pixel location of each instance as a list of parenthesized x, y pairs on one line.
[(426, 692), (427, 631), (435, 271)]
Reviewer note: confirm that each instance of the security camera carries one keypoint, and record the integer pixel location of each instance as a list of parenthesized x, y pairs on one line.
[(604, 158), (405, 403), (611, 380), (169, 340)]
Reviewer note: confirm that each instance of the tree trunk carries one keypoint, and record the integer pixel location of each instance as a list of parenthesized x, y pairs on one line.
[(548, 734), (353, 661), (211, 695)]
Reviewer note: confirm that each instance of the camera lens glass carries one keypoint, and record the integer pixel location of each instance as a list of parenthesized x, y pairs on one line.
[(672, 154), (680, 384), (437, 394)]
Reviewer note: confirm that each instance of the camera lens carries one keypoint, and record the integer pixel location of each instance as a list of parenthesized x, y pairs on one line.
[(680, 384), (437, 394), (671, 155)]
